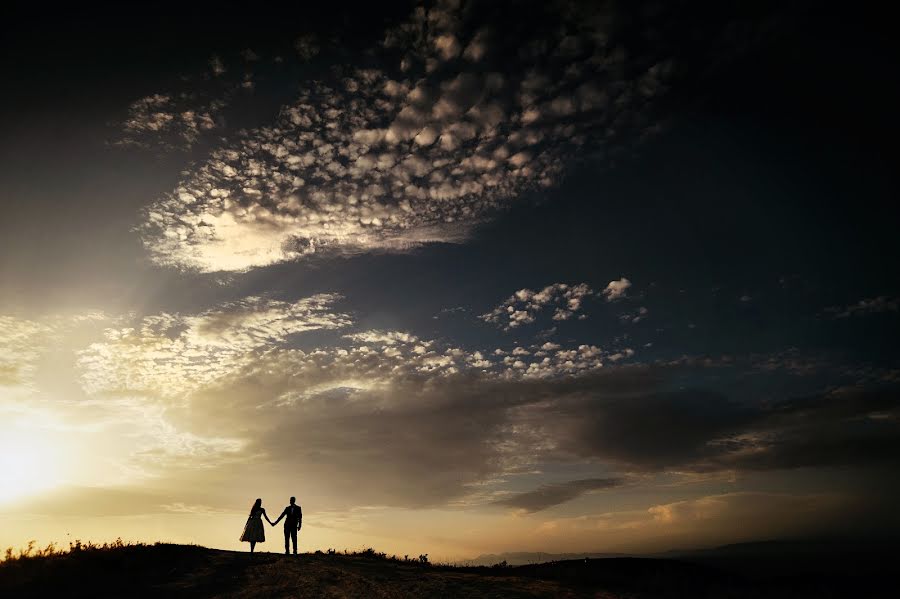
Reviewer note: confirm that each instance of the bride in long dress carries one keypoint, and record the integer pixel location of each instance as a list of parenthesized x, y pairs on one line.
[(254, 532)]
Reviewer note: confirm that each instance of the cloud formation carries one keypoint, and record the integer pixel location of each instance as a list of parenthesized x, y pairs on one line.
[(381, 417), (451, 124), (388, 418), (523, 306), (169, 122), (170, 354), (391, 411), (22, 343), (616, 289), (636, 316), (875, 305), (716, 519), (548, 495), (26, 341), (307, 46)]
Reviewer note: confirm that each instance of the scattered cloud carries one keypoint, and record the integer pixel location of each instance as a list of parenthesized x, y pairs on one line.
[(636, 316), (875, 305), (26, 341), (522, 307), (169, 354), (217, 66), (168, 122), (23, 341), (307, 46), (616, 289)]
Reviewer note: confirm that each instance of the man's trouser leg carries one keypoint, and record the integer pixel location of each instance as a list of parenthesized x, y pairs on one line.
[(290, 534)]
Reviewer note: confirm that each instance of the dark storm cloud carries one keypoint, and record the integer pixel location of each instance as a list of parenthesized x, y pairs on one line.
[(846, 427), (422, 452), (647, 431), (548, 495), (702, 431), (420, 441), (434, 452)]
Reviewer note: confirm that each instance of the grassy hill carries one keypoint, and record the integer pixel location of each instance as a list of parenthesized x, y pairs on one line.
[(190, 571)]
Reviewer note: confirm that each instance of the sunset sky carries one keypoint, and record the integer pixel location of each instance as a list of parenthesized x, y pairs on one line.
[(464, 277)]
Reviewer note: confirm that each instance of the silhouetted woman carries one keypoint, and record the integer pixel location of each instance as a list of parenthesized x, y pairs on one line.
[(253, 531)]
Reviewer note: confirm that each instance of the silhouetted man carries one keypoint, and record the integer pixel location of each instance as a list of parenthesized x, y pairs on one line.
[(293, 516)]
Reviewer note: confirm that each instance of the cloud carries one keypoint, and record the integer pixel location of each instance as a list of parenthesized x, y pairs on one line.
[(196, 390), (249, 55), (645, 431), (23, 341), (393, 418), (549, 495), (307, 46), (92, 501), (843, 427), (636, 316), (386, 419), (27, 341), (875, 305), (616, 289), (743, 507), (522, 307), (389, 421), (421, 146), (217, 66), (168, 122), (170, 354), (107, 501), (719, 519)]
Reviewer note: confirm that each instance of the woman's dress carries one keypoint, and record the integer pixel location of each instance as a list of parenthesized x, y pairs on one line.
[(253, 530)]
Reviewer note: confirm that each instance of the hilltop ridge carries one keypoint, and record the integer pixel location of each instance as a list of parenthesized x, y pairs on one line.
[(193, 571)]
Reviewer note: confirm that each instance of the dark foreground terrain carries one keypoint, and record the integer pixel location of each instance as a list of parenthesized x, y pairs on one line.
[(181, 571)]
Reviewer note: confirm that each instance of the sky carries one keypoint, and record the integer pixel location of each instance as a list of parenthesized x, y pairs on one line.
[(463, 277)]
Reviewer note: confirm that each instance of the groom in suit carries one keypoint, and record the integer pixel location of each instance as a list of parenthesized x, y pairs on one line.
[(293, 516)]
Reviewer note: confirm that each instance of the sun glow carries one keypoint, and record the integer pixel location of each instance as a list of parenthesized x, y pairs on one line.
[(29, 464)]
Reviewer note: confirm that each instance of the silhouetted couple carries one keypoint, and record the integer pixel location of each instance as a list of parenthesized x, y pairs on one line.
[(254, 532)]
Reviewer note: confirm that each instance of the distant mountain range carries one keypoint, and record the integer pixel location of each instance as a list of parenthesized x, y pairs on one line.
[(770, 558)]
